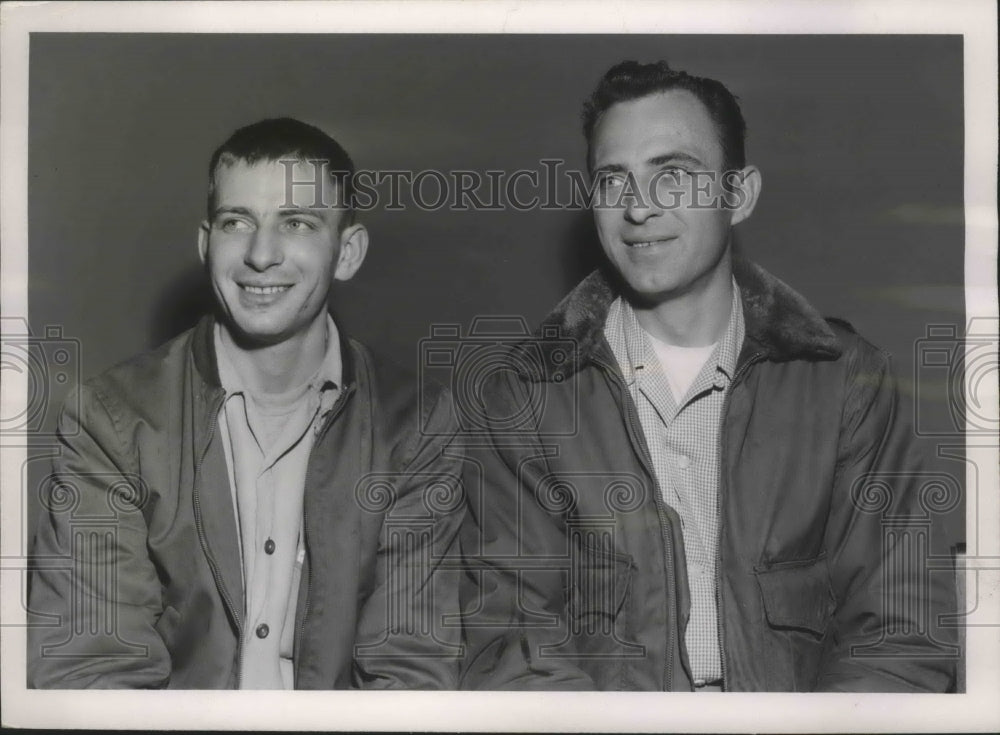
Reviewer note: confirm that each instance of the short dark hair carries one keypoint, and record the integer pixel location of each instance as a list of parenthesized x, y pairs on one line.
[(285, 138), (631, 80)]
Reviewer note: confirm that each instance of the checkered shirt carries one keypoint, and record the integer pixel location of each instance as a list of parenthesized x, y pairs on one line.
[(683, 440)]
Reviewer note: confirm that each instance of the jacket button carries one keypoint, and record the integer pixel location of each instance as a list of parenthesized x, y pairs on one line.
[(269, 546), (263, 630)]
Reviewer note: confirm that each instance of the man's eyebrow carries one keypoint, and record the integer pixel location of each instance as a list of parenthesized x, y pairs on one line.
[(658, 160), (231, 210), (674, 157), (609, 168), (300, 211)]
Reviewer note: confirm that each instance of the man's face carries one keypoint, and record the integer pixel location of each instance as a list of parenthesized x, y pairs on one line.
[(272, 261), (669, 239)]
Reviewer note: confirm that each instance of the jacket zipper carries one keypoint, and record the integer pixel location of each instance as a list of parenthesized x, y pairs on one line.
[(237, 616), (718, 500), (306, 564), (661, 512)]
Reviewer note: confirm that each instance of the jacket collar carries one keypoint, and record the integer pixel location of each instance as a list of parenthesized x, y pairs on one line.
[(780, 324), (207, 364)]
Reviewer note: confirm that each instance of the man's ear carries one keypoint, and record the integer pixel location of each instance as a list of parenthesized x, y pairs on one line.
[(743, 190), (203, 231), (353, 248)]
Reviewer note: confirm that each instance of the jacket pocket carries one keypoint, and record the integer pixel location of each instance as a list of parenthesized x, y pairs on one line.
[(167, 627), (600, 579), (798, 603), (797, 594), (600, 616)]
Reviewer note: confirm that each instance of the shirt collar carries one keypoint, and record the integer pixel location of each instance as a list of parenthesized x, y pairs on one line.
[(327, 376), (727, 352), (627, 336)]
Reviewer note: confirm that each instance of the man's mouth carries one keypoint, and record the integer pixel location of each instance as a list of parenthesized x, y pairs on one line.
[(263, 290), (647, 243)]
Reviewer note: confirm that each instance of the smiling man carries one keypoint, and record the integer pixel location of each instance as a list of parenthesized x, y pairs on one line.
[(243, 467), (692, 510)]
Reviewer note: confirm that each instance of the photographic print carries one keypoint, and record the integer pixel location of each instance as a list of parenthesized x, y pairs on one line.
[(473, 370)]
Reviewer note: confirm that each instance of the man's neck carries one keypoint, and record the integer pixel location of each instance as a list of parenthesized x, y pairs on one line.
[(279, 367), (696, 318)]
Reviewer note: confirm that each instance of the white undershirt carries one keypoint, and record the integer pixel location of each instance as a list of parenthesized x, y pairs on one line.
[(680, 365)]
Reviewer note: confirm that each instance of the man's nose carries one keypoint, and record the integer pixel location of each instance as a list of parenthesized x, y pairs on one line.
[(264, 250), (639, 205)]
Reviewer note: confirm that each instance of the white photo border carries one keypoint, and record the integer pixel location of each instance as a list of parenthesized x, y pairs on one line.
[(499, 711)]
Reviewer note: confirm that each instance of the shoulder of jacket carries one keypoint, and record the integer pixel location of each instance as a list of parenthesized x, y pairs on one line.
[(146, 382), (410, 411), (856, 348), (391, 383)]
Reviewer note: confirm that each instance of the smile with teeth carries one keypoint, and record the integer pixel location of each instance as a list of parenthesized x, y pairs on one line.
[(647, 243), (264, 290)]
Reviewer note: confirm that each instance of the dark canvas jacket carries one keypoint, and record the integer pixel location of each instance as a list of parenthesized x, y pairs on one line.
[(580, 579), (138, 564)]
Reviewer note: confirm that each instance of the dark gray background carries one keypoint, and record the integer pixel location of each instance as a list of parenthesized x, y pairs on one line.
[(859, 138)]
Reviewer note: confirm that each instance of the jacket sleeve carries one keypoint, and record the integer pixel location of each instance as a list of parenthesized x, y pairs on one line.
[(409, 631), (884, 637), (515, 609), (92, 579)]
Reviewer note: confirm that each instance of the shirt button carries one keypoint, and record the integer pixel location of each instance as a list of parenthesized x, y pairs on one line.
[(269, 546), (683, 462), (263, 630)]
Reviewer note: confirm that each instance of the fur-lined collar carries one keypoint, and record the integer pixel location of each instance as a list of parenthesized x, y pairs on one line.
[(779, 322)]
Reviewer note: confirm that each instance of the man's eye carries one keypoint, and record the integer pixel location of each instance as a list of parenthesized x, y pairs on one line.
[(299, 225), (674, 172), (611, 181), (233, 225)]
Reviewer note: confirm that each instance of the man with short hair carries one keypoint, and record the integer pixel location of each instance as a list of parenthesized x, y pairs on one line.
[(265, 475), (688, 510)]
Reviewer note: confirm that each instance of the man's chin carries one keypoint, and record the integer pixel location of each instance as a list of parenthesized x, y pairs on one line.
[(646, 293), (255, 336)]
